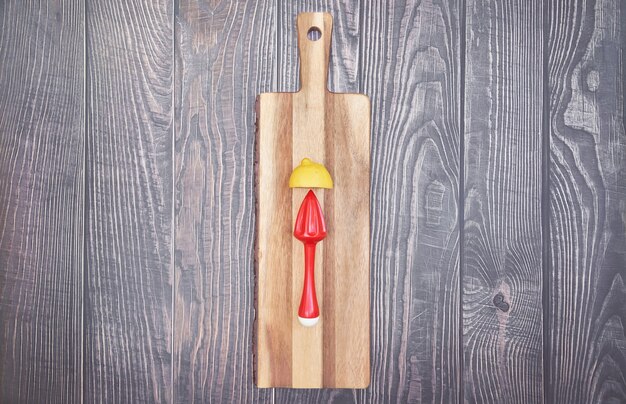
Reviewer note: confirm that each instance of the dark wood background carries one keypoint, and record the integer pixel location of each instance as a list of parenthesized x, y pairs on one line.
[(498, 205)]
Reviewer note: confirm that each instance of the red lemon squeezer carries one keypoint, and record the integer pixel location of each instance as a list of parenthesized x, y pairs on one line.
[(310, 228)]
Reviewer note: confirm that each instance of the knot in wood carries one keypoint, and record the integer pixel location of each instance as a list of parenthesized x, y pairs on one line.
[(498, 301)]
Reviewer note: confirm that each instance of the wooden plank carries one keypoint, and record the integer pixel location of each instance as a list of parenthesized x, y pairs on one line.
[(225, 55), (347, 250), (342, 77), (41, 201), (502, 247), (129, 201), (333, 129), (309, 138), (411, 70), (276, 305), (586, 339)]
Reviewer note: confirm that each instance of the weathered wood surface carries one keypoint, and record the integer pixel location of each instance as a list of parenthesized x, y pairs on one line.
[(41, 201), (586, 342), (128, 280), (225, 56), (409, 57), (501, 271), (411, 70)]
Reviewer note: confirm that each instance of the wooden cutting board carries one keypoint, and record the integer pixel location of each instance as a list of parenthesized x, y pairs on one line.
[(332, 129)]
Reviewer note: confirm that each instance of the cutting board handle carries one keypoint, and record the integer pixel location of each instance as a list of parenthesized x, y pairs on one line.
[(314, 34)]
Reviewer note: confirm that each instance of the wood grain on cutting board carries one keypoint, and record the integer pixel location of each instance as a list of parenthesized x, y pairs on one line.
[(332, 129)]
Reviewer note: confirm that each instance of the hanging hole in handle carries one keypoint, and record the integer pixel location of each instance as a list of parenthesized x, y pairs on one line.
[(314, 34)]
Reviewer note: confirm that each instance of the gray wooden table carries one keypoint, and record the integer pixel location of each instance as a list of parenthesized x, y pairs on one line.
[(498, 205)]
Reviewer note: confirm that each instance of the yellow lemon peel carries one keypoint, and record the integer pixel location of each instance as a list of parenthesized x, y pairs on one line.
[(310, 174)]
